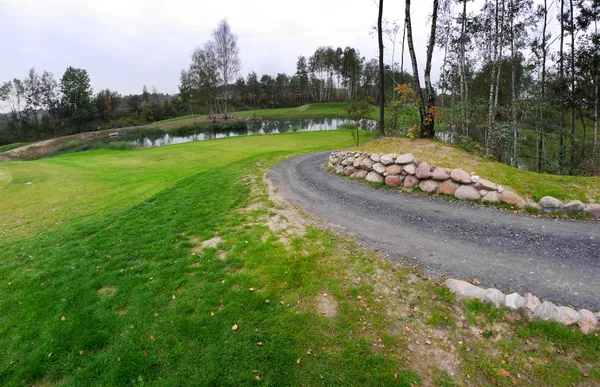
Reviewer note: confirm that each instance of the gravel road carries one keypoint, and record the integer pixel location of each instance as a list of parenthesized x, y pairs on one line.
[(556, 260)]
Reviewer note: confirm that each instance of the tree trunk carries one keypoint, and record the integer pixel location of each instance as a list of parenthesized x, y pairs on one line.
[(540, 142), (463, 70), (597, 96), (428, 125), (561, 71), (381, 72), (413, 59), (572, 99), (491, 110), (513, 106), (402, 59)]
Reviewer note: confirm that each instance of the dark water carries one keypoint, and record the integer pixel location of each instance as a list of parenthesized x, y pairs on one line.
[(156, 138)]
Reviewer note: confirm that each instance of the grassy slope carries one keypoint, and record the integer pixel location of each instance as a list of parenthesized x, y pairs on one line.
[(14, 145), (526, 183), (102, 284)]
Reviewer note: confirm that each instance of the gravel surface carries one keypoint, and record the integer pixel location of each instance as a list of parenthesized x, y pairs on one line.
[(556, 260)]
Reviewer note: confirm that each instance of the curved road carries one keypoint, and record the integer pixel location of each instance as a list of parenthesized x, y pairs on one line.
[(556, 260)]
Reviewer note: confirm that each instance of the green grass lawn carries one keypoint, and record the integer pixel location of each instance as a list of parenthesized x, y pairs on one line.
[(4, 148), (104, 281)]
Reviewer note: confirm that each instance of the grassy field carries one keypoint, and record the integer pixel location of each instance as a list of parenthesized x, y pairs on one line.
[(178, 266), (526, 183)]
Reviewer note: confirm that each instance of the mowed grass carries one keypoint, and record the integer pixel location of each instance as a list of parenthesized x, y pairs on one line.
[(110, 285), (526, 183)]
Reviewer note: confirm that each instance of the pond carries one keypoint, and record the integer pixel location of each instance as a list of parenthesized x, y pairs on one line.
[(156, 138)]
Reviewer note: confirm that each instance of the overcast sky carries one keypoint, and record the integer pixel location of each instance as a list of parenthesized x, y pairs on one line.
[(125, 44)]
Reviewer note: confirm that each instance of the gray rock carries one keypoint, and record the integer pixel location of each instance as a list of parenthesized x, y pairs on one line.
[(349, 171), (486, 185), (467, 192), (379, 168), (351, 159), (500, 189), (405, 159), (494, 297), (339, 169), (439, 174), (573, 207), (550, 204), (475, 178), (514, 301), (375, 157), (566, 315), (491, 197), (513, 199), (424, 171), (464, 289), (588, 321), (483, 192), (460, 176), (344, 162), (410, 168), (545, 311), (387, 159), (374, 177), (394, 170), (429, 186), (593, 209), (357, 162), (360, 174), (533, 204)]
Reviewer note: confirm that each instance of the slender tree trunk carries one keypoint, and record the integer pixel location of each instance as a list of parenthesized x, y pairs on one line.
[(381, 72), (402, 59), (428, 125), (584, 133), (491, 110), (464, 68), (597, 96), (561, 71), (572, 99), (540, 142), (413, 59), (514, 89)]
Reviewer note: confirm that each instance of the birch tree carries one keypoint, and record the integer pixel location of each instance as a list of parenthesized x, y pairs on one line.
[(227, 57)]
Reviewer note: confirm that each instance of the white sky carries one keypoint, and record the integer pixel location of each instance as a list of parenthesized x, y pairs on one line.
[(125, 44)]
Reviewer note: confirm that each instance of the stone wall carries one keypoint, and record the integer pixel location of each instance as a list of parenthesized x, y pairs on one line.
[(408, 172)]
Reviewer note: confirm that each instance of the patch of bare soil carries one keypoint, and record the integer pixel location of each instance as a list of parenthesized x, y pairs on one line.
[(207, 244), (107, 290), (326, 305)]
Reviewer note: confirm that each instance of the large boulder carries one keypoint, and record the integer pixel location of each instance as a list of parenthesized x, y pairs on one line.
[(593, 209), (394, 170), (379, 168), (486, 185), (360, 174), (550, 204), (464, 289), (460, 176), (439, 174), (339, 169), (375, 157), (513, 199), (566, 315), (514, 301), (357, 161), (531, 302), (349, 171), (387, 159), (490, 197), (573, 207), (410, 181), (545, 311), (494, 297), (588, 321), (411, 168), (367, 164), (429, 186), (424, 171), (394, 180), (374, 177), (448, 187), (405, 159), (467, 192)]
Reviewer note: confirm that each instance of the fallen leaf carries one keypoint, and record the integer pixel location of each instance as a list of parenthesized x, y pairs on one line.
[(173, 296), (259, 343), (251, 289), (257, 378), (476, 282), (309, 352), (504, 373), (81, 352), (63, 318), (234, 327), (155, 314), (212, 313), (298, 361)]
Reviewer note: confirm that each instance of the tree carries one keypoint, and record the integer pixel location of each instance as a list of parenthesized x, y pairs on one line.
[(358, 110), (413, 59), (76, 94), (428, 123), (227, 57), (381, 72), (106, 102)]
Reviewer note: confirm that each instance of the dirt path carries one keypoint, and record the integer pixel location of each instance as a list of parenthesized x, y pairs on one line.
[(556, 260)]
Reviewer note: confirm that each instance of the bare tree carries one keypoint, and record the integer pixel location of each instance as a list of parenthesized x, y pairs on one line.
[(227, 57), (428, 125), (413, 59)]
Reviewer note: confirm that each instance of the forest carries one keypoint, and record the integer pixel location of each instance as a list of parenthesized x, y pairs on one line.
[(518, 82)]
